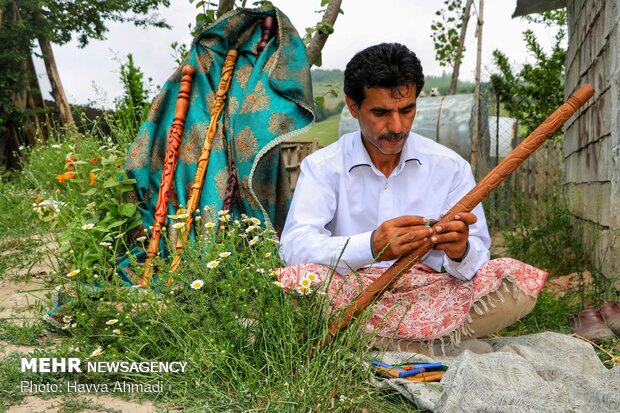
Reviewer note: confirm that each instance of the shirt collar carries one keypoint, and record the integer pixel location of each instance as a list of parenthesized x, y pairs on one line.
[(359, 155)]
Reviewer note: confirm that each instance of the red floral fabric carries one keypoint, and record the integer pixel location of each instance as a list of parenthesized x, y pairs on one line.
[(423, 304)]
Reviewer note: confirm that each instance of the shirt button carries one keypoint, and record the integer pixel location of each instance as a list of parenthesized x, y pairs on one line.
[(386, 186)]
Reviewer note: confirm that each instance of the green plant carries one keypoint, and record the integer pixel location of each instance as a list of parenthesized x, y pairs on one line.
[(27, 334), (537, 89), (445, 32), (553, 245), (132, 108), (82, 198)]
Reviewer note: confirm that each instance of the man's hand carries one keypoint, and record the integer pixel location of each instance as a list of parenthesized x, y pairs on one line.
[(399, 236), (451, 237)]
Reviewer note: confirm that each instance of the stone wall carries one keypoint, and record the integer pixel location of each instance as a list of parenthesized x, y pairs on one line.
[(592, 137)]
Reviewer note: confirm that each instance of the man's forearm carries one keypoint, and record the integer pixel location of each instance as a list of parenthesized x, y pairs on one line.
[(303, 245)]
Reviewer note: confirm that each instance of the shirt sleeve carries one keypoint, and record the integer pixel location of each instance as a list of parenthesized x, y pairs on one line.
[(306, 239), (478, 253)]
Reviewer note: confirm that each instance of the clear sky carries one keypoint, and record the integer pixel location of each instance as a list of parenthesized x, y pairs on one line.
[(92, 74)]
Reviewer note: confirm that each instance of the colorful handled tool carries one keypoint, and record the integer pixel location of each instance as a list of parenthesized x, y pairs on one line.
[(426, 377)]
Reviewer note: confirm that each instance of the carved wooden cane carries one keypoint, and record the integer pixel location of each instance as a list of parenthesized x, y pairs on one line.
[(170, 165), (466, 204), (203, 160)]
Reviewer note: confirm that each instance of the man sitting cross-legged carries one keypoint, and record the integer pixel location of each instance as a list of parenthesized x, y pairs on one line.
[(367, 199)]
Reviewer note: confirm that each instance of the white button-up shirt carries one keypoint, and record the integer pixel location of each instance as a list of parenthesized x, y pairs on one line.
[(341, 197)]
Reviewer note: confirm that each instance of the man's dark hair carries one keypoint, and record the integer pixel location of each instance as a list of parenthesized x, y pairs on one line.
[(386, 66)]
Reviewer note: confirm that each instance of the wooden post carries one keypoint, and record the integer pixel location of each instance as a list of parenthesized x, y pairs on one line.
[(476, 126)]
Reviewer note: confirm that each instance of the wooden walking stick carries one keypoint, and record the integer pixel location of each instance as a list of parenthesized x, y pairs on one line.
[(170, 165), (466, 204), (203, 161)]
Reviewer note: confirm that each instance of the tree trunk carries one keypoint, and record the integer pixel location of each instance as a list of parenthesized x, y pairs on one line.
[(318, 40), (477, 127), (58, 92), (459, 52), (224, 7), (36, 106)]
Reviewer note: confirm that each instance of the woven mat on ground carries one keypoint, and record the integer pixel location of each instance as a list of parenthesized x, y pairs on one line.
[(545, 372)]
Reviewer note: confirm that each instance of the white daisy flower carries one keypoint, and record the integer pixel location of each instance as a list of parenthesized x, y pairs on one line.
[(223, 212), (178, 225), (305, 283), (98, 351), (73, 273), (88, 226), (141, 239), (105, 244), (55, 146), (253, 241), (67, 319), (267, 254), (278, 284), (197, 284), (209, 225), (225, 254), (213, 264), (312, 277), (250, 228), (260, 270), (112, 321), (116, 331), (301, 290)]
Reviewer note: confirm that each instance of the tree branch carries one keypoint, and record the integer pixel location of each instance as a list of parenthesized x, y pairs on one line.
[(459, 51), (318, 40), (224, 7)]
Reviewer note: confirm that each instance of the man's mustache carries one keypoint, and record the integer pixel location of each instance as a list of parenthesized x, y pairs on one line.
[(392, 136)]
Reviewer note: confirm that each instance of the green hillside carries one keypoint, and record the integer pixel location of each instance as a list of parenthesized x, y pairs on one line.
[(324, 132)]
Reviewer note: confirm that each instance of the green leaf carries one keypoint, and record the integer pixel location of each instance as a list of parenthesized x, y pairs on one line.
[(91, 192), (117, 224), (127, 210), (319, 60), (110, 182), (319, 101), (64, 248)]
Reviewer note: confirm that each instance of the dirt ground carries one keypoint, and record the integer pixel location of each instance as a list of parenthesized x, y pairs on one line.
[(24, 297)]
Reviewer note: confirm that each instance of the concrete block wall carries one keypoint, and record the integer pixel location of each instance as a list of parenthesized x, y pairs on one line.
[(592, 137)]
